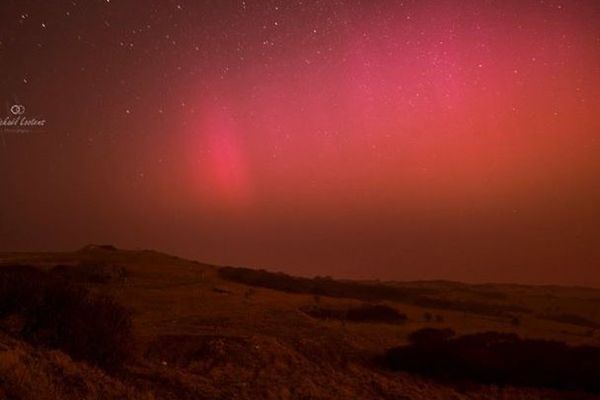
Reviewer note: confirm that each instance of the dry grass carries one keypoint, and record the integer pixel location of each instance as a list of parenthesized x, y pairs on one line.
[(242, 342), (40, 308), (31, 373)]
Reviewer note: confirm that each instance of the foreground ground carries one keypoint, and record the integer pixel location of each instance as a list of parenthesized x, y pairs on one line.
[(200, 336)]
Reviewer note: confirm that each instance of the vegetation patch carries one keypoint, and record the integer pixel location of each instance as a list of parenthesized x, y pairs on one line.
[(363, 313), (91, 272), (498, 358), (46, 310), (572, 319)]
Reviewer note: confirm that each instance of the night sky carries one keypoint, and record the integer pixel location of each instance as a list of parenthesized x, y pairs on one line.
[(362, 139)]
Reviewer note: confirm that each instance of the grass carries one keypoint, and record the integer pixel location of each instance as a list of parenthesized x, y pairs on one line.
[(244, 342)]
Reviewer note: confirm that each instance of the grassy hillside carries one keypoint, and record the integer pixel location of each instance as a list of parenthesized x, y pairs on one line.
[(204, 332)]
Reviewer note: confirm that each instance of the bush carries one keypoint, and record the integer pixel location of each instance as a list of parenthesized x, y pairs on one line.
[(21, 289), (59, 314), (91, 272), (498, 358), (572, 319), (362, 313), (375, 313), (430, 336)]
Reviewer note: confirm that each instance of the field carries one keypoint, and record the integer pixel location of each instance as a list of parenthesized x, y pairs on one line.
[(204, 332)]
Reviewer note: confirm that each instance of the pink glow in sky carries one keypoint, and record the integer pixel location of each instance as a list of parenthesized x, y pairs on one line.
[(437, 100), (354, 138), (223, 165)]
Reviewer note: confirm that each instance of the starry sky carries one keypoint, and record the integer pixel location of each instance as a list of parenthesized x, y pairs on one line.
[(354, 138)]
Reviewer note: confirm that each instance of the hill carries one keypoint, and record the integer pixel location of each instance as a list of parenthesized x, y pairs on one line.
[(208, 332)]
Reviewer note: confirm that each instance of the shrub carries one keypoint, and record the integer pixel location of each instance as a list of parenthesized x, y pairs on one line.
[(572, 319), (429, 336), (59, 314), (375, 313), (362, 313), (324, 312), (21, 289), (499, 358), (91, 272)]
